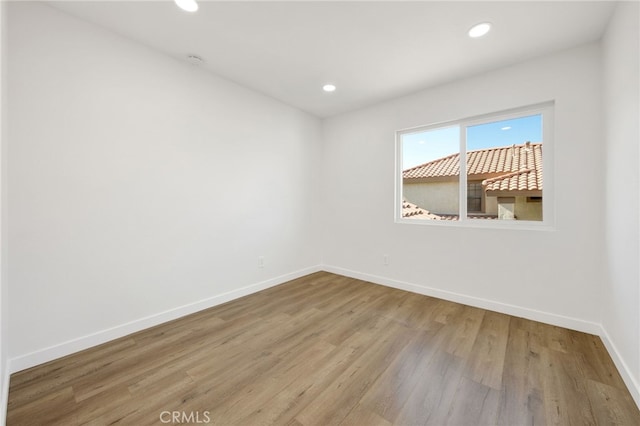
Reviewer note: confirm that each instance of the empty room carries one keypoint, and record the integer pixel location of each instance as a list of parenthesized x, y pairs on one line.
[(320, 212)]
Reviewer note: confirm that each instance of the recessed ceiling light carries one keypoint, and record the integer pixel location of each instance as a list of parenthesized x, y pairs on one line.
[(479, 30), (195, 59), (187, 5), (329, 88)]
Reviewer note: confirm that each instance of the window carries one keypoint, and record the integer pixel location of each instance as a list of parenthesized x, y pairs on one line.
[(495, 162), (474, 197)]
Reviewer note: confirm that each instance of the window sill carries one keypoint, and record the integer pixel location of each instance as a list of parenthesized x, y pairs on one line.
[(516, 225)]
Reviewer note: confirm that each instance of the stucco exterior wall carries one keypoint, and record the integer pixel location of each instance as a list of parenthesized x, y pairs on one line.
[(442, 198), (437, 197), (491, 205), (528, 210)]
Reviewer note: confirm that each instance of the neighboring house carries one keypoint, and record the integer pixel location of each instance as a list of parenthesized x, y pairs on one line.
[(503, 183)]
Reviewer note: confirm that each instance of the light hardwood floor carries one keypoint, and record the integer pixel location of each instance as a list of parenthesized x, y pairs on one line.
[(330, 350)]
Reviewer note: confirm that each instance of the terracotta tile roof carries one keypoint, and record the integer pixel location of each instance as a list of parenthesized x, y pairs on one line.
[(508, 168), (415, 212), (447, 166), (505, 159), (412, 211), (524, 180)]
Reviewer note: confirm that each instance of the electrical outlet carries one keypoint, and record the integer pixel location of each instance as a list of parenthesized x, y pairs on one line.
[(260, 261), (385, 259)]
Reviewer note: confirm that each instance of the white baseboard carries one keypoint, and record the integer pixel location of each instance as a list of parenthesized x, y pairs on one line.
[(623, 368), (75, 345), (554, 319), (4, 395), (505, 308)]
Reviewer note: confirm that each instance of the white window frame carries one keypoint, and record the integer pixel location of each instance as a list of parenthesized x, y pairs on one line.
[(546, 110)]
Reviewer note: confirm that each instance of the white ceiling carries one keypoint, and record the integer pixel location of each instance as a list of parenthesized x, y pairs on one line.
[(371, 51)]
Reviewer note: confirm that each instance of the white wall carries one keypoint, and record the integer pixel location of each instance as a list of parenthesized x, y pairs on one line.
[(139, 184), (4, 371), (554, 276), (621, 296)]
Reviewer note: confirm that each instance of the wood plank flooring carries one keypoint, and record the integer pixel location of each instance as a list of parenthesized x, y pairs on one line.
[(330, 350)]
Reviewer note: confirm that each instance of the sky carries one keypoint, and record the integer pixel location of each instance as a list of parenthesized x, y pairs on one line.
[(422, 147)]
